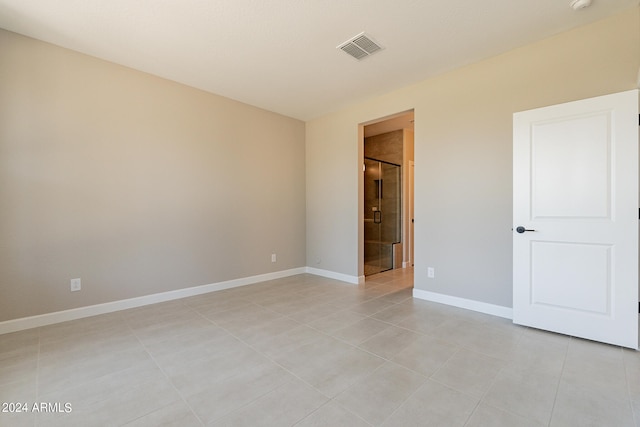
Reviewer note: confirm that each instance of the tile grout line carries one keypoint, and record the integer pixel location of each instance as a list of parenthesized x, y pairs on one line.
[(555, 397), (388, 417), (635, 417), (163, 373), (330, 399), (273, 389), (383, 358), (426, 379), (268, 358), (481, 400)]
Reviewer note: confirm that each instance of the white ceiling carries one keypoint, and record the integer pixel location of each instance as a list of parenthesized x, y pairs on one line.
[(281, 54)]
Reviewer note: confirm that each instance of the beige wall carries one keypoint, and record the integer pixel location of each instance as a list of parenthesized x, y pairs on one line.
[(463, 156), (135, 184)]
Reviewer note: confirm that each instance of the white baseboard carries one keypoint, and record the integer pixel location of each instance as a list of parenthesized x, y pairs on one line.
[(110, 307), (356, 280), (482, 307)]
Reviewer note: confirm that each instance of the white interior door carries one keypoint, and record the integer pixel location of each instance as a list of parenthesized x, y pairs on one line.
[(575, 238)]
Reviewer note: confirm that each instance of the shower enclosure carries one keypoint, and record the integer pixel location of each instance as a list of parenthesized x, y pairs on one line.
[(382, 214)]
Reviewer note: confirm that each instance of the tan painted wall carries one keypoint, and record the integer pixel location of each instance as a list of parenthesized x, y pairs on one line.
[(135, 184), (463, 155)]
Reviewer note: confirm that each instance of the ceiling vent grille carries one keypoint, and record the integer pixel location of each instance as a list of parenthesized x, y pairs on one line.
[(360, 46)]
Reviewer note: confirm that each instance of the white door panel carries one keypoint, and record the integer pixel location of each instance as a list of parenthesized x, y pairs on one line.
[(581, 163), (559, 262), (576, 185)]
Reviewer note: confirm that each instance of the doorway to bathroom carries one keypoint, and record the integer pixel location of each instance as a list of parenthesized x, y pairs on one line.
[(387, 194)]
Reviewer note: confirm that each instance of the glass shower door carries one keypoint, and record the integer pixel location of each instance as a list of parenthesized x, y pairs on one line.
[(382, 215)]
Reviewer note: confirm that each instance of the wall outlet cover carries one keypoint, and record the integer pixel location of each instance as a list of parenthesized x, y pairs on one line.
[(76, 285)]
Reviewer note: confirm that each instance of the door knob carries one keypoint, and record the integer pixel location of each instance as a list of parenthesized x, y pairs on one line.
[(521, 229)]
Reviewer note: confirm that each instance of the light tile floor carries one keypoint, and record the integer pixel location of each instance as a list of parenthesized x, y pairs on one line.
[(310, 351)]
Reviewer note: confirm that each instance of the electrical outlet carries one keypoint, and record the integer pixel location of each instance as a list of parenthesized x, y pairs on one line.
[(431, 272), (273, 257), (76, 285)]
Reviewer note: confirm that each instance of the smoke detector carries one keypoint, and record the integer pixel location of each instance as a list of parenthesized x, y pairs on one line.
[(579, 4), (360, 46)]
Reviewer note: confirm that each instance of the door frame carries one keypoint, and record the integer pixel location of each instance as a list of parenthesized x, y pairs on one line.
[(361, 137), (410, 236)]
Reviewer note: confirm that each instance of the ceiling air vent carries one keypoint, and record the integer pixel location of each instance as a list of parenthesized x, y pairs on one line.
[(360, 46)]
